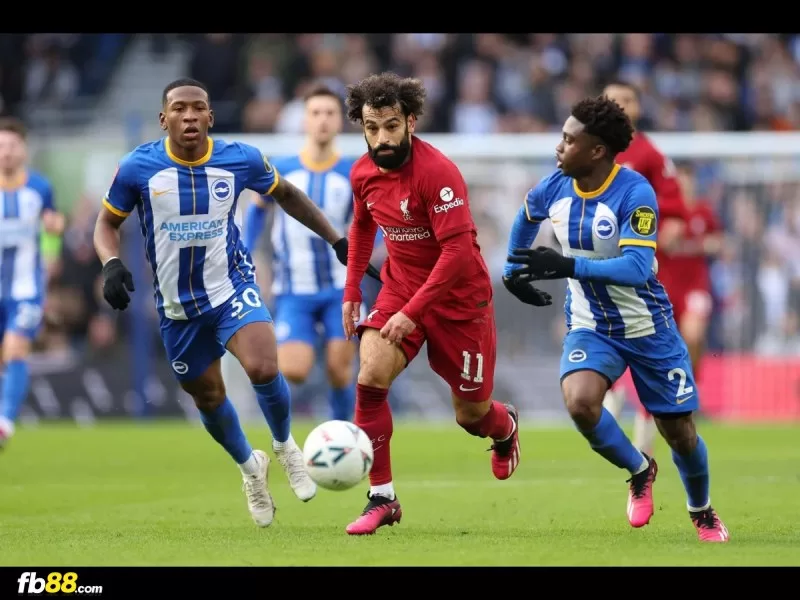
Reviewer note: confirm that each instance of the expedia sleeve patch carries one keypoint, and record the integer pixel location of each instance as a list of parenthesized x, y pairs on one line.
[(643, 221)]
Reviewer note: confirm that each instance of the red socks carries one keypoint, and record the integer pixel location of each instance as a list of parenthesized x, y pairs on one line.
[(374, 416), (496, 424)]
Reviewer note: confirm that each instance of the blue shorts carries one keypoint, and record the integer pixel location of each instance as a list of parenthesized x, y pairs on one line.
[(660, 366), (194, 344), (23, 317), (297, 316)]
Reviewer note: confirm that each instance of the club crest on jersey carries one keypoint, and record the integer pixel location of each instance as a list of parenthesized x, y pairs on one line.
[(221, 189), (605, 228), (404, 209), (643, 221)]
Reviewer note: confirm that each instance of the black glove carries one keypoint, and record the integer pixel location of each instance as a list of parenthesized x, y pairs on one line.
[(541, 263), (340, 247), (526, 293), (115, 279)]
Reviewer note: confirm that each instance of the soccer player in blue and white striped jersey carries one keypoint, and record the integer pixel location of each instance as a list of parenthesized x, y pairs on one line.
[(308, 281), (185, 188), (26, 204)]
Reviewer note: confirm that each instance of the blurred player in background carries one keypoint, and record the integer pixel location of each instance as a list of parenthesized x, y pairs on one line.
[(26, 204), (308, 281), (436, 286), (185, 188), (642, 156), (618, 315), (684, 269)]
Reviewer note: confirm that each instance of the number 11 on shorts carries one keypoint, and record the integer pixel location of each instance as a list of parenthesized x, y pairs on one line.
[(466, 372)]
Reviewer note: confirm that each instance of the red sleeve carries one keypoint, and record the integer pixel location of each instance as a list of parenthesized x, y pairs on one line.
[(712, 222), (664, 180), (456, 252), (360, 240)]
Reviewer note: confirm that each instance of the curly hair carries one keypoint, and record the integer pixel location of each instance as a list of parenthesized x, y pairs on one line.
[(182, 82), (603, 118), (386, 89)]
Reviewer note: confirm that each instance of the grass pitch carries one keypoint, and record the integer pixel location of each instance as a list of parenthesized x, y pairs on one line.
[(166, 494)]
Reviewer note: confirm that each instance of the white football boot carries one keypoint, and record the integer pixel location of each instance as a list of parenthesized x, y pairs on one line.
[(6, 431), (290, 456), (256, 488)]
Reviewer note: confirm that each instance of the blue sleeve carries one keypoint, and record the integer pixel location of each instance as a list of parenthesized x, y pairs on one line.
[(638, 217), (42, 185), (122, 196), (262, 177), (253, 224), (632, 269), (526, 225)]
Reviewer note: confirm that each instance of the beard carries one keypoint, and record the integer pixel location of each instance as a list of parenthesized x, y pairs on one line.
[(395, 158)]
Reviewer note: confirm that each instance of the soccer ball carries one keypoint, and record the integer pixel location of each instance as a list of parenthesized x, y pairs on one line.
[(338, 455)]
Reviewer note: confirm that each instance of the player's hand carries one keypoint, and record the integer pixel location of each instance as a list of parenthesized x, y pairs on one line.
[(526, 292), (397, 327), (541, 263), (351, 313), (341, 247), (117, 282)]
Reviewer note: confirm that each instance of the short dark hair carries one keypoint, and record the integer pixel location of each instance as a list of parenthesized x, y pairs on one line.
[(605, 119), (182, 82), (320, 89), (386, 89), (625, 84), (14, 125)]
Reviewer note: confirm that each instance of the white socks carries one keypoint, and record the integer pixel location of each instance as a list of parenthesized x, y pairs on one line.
[(251, 466), (386, 490)]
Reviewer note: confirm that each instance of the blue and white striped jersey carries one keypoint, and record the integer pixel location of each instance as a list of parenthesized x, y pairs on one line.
[(596, 225), (304, 263), (187, 212), (21, 206)]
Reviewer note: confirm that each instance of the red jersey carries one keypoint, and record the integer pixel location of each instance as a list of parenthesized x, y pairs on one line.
[(422, 208), (688, 262)]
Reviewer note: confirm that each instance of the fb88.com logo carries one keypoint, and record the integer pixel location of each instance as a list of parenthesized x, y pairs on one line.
[(55, 583)]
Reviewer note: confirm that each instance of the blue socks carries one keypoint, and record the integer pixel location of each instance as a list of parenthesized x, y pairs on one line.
[(610, 442), (275, 401), (342, 402), (223, 425), (15, 389), (693, 469)]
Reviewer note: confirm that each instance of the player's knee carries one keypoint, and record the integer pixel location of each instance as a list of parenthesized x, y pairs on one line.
[(380, 362), (583, 397), (340, 375), (15, 347), (260, 369), (208, 397), (679, 431)]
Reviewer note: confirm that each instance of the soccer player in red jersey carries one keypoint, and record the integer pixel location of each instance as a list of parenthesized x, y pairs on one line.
[(643, 157), (684, 270), (436, 286)]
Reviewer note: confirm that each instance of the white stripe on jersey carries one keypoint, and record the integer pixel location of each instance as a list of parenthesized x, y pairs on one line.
[(168, 225), (19, 242), (300, 265), (628, 306)]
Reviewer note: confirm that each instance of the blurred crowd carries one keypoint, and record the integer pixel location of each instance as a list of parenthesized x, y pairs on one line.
[(477, 83)]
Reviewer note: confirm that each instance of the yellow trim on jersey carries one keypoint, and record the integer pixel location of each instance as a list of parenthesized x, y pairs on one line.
[(114, 209), (528, 214), (318, 166), (601, 189), (635, 242), (274, 183), (15, 182), (194, 163)]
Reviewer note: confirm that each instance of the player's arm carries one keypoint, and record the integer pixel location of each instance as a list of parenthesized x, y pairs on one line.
[(452, 229), (52, 220), (361, 239), (638, 241)]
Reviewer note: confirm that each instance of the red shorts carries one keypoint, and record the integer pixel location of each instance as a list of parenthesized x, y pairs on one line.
[(696, 301), (463, 353)]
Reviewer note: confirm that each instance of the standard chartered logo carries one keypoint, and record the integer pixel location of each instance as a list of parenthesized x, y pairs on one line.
[(186, 231)]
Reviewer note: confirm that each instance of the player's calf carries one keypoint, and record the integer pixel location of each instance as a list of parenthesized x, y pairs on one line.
[(491, 419)]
